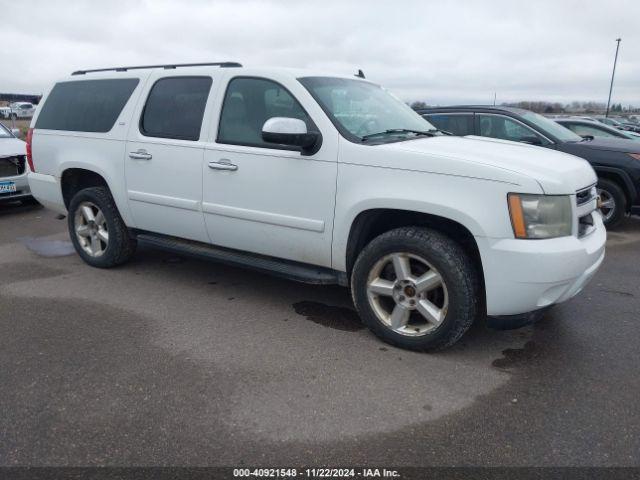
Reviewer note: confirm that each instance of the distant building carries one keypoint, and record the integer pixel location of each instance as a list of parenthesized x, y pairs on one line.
[(19, 97)]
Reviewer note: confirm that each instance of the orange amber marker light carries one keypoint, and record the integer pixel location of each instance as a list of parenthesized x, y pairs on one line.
[(517, 217)]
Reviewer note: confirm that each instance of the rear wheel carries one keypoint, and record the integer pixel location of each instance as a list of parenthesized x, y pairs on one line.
[(416, 288), (613, 202), (97, 231)]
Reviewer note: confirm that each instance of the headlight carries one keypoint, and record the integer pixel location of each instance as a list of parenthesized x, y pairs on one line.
[(540, 216)]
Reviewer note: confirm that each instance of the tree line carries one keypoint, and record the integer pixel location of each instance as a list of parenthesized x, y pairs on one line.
[(556, 107)]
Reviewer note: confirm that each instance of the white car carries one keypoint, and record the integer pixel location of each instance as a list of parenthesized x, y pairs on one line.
[(20, 110), (322, 179), (13, 167)]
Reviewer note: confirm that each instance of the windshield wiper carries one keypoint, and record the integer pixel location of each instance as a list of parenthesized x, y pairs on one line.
[(441, 131), (428, 133)]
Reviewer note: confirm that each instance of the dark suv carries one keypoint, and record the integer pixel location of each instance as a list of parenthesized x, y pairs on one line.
[(616, 161)]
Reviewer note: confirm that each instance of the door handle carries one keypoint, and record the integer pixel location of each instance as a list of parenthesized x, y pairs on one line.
[(223, 165), (140, 155)]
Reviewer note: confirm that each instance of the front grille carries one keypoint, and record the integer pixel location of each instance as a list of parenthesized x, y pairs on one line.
[(12, 166), (585, 195), (585, 205)]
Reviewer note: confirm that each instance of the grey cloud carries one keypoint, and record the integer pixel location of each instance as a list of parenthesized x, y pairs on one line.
[(442, 52)]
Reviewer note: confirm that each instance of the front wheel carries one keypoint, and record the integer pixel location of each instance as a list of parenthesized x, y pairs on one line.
[(97, 231), (416, 288), (613, 203)]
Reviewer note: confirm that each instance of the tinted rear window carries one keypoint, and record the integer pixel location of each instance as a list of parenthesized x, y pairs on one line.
[(86, 105), (175, 108)]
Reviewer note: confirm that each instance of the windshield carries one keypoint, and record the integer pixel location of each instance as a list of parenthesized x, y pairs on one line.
[(4, 132), (359, 109), (551, 127)]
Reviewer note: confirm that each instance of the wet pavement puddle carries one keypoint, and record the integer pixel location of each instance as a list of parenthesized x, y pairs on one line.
[(339, 318), (46, 247)]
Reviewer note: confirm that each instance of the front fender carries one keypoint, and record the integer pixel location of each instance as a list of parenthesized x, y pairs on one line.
[(478, 205)]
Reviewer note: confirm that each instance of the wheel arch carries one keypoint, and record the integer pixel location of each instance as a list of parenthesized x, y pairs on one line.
[(371, 223), (621, 178), (72, 180), (75, 177)]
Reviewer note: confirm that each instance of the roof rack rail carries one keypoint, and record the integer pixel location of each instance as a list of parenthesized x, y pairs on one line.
[(166, 67)]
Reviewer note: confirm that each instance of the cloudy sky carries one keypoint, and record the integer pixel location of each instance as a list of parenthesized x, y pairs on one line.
[(438, 51)]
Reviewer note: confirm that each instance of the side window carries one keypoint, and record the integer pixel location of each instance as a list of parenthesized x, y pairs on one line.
[(458, 124), (587, 130), (248, 103), (85, 105), (175, 108), (497, 126)]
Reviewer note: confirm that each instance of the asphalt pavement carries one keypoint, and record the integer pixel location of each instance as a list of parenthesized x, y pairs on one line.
[(176, 361)]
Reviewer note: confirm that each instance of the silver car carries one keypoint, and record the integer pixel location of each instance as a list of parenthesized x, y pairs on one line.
[(13, 167)]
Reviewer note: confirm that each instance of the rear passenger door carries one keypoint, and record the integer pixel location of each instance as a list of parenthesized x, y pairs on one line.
[(164, 154)]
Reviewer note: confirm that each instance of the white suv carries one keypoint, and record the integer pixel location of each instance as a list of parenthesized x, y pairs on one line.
[(322, 179), (21, 110)]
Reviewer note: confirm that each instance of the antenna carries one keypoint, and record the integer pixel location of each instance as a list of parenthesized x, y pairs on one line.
[(360, 74)]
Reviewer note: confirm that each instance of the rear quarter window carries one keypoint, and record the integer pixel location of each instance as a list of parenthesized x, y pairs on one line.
[(86, 105)]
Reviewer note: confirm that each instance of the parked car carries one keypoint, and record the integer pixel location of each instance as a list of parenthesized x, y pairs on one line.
[(616, 161), (13, 171), (630, 126), (586, 128), (21, 110), (321, 179), (5, 112), (615, 123)]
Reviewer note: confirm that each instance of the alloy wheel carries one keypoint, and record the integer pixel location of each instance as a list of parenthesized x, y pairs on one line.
[(607, 205), (91, 229), (407, 294)]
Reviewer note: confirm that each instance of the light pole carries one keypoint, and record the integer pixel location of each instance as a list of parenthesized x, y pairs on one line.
[(618, 40)]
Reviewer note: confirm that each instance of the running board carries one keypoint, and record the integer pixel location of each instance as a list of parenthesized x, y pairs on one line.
[(288, 269)]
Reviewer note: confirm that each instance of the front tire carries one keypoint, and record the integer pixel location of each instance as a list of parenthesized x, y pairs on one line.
[(97, 230), (614, 203), (416, 288)]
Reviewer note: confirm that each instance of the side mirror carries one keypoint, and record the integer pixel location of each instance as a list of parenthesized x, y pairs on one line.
[(531, 140), (15, 132), (289, 131)]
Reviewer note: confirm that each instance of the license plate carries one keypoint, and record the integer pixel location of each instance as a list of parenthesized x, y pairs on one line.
[(7, 187)]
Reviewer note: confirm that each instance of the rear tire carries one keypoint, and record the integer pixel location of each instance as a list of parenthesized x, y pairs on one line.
[(614, 203), (438, 285), (97, 230)]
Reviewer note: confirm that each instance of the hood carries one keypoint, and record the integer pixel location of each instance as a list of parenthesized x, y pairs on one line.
[(12, 146), (557, 173), (610, 144)]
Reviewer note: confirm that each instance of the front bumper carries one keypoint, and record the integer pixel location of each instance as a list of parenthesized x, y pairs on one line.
[(23, 191), (528, 275)]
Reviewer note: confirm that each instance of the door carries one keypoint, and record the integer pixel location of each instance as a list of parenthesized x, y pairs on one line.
[(265, 198), (164, 155)]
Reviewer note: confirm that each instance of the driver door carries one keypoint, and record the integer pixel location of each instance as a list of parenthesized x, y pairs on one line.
[(262, 197)]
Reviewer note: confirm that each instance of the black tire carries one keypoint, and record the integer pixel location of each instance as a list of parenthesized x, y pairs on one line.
[(121, 245), (614, 191), (453, 264)]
